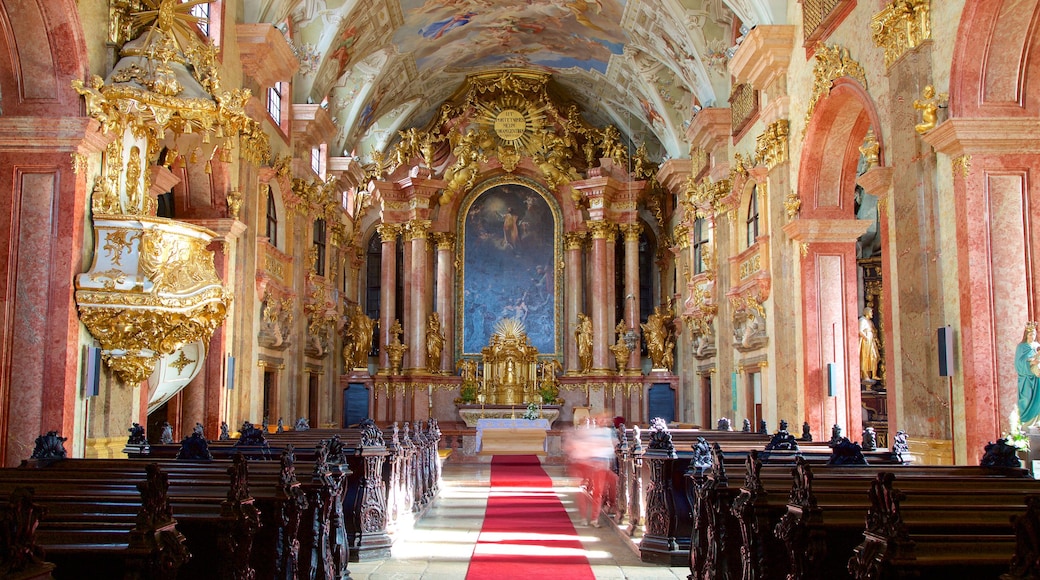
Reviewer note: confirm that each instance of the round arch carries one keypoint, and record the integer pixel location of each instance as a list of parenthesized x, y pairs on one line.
[(828, 229)]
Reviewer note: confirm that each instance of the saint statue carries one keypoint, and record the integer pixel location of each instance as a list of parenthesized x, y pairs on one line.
[(358, 339), (583, 336), (658, 336), (869, 354), (1027, 365), (434, 343)]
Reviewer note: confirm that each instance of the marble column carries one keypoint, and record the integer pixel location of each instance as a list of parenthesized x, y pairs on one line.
[(602, 309), (574, 243), (388, 292), (631, 233), (446, 296), (416, 313)]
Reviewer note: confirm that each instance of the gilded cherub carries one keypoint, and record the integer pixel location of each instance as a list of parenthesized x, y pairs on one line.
[(929, 106)]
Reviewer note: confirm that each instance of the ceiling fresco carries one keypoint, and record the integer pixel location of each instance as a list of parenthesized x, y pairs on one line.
[(382, 66)]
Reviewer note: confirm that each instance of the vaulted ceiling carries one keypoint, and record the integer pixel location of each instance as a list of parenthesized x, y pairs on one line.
[(382, 66)]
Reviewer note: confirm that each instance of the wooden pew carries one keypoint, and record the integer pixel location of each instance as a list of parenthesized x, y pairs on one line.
[(222, 522), (654, 483), (100, 532)]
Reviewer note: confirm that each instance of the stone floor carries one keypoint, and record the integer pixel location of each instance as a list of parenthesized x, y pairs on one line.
[(440, 544)]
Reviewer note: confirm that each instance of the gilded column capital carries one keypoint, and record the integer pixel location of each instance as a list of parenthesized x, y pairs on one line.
[(574, 240), (389, 232), (631, 231), (444, 240), (901, 27), (602, 229), (681, 235), (417, 230)]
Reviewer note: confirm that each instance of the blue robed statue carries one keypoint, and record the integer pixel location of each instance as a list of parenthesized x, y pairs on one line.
[(1027, 365)]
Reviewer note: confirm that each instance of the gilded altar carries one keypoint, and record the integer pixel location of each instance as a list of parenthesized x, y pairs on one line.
[(510, 367)]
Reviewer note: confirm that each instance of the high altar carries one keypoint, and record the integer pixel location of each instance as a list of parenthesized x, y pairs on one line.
[(509, 378)]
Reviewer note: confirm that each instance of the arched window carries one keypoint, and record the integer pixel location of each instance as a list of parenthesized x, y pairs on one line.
[(319, 244), (752, 217), (700, 240), (272, 220)]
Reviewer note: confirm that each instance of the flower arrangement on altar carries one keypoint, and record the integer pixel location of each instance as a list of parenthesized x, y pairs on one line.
[(532, 412)]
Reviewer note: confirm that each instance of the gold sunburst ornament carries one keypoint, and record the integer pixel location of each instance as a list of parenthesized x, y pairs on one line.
[(512, 119), (171, 15), (510, 328)]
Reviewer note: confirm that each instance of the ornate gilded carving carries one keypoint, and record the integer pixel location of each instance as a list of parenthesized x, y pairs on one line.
[(389, 232), (434, 343), (771, 145), (445, 240), (620, 348), (416, 230), (395, 349), (574, 240), (509, 363), (792, 204), (601, 229), (708, 197), (322, 317), (151, 289), (357, 340), (699, 315), (832, 63), (900, 27), (870, 150)]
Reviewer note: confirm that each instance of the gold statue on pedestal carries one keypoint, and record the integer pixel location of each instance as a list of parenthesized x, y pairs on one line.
[(620, 348), (434, 343), (509, 363), (358, 339), (395, 349), (659, 339), (583, 336)]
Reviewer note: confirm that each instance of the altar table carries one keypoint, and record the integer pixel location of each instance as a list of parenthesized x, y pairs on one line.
[(512, 436)]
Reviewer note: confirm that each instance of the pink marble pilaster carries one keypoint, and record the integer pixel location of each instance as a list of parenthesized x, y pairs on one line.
[(446, 296), (388, 292), (602, 310), (416, 235), (631, 233), (830, 320), (574, 243)]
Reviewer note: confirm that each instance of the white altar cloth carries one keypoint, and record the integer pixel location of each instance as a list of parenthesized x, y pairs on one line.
[(483, 424)]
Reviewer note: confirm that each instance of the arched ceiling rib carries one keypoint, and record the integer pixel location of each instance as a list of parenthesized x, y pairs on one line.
[(387, 65)]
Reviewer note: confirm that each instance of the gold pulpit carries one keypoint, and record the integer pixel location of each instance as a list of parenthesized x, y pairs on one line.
[(510, 365)]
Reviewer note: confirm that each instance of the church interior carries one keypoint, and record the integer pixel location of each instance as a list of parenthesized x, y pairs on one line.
[(723, 214)]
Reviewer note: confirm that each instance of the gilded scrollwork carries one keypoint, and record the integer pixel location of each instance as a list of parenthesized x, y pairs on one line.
[(699, 316), (771, 145), (832, 63)]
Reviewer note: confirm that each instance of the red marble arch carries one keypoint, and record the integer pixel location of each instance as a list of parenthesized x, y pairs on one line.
[(42, 49), (827, 184), (839, 123), (996, 62)]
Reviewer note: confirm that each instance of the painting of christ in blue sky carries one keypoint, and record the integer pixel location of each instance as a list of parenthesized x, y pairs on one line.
[(508, 269)]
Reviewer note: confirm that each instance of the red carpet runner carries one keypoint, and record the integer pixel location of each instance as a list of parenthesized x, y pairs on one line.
[(526, 532)]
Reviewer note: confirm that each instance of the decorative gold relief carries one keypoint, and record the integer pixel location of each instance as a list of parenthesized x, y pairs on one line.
[(699, 316), (707, 197), (574, 240), (181, 362), (234, 203), (119, 241), (750, 266), (601, 229), (962, 165), (792, 204), (771, 145), (832, 63), (900, 27)]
